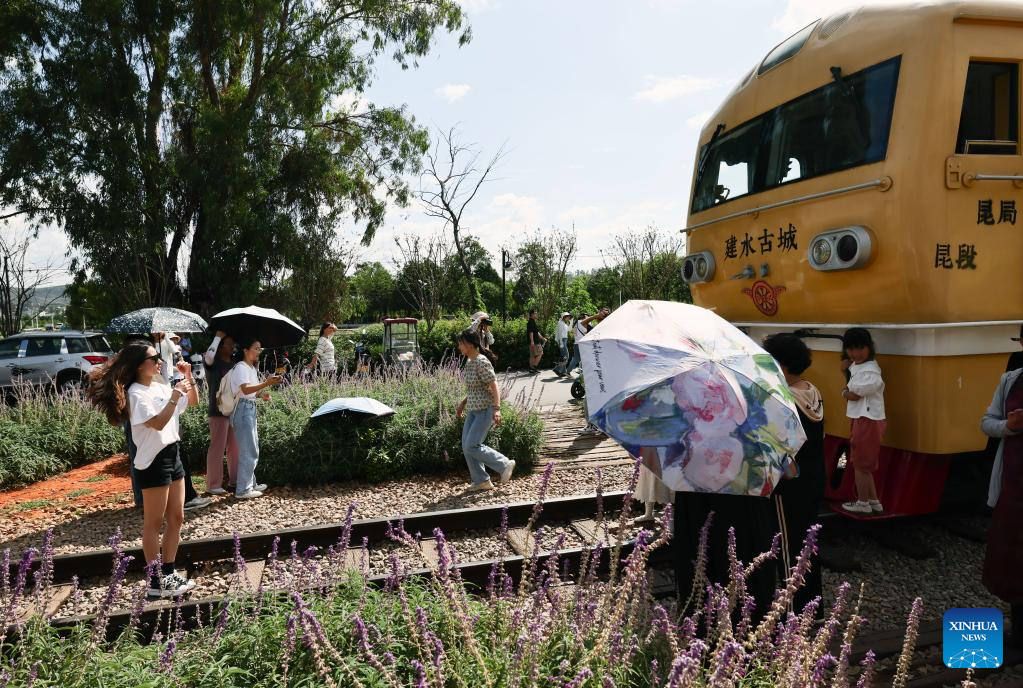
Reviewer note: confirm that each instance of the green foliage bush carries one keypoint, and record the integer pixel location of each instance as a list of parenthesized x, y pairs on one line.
[(438, 345), (423, 436), (42, 435)]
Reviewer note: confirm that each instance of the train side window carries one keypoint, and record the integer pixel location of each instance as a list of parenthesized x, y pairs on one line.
[(988, 124)]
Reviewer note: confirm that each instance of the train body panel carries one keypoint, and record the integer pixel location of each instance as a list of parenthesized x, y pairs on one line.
[(812, 214)]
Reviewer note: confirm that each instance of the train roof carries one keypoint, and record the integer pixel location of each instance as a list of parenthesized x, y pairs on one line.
[(853, 39)]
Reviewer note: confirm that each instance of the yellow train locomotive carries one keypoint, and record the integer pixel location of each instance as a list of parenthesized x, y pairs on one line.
[(869, 171)]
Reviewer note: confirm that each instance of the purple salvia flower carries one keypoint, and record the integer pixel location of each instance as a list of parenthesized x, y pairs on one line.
[(724, 664), (420, 674), (906, 658), (363, 637), (33, 674), (545, 481), (609, 682), (868, 670), (820, 669), (581, 677)]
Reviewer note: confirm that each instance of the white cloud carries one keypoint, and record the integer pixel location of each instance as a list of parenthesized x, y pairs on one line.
[(660, 89), (799, 13), (350, 102), (697, 121), (453, 92), (478, 5)]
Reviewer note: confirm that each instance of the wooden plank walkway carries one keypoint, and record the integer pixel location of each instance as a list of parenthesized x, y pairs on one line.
[(568, 445)]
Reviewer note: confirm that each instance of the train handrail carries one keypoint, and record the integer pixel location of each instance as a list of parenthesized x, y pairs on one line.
[(883, 183), (970, 177)]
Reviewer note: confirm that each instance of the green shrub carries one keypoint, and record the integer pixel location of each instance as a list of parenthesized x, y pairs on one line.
[(42, 435), (438, 345), (423, 436)]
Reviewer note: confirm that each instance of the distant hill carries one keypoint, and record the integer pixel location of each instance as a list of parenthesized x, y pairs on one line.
[(46, 295)]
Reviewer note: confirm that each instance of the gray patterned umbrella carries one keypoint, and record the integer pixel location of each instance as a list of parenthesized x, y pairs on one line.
[(149, 320)]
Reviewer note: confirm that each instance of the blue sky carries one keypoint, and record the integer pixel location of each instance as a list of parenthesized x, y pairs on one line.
[(600, 104)]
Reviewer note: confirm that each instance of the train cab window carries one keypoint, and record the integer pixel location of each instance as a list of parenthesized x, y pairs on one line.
[(840, 125), (729, 166), (988, 124)]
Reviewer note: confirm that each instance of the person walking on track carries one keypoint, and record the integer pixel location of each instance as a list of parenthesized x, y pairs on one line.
[(481, 408), (131, 386), (1003, 559)]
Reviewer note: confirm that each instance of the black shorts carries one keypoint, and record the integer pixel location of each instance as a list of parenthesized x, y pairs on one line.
[(165, 469)]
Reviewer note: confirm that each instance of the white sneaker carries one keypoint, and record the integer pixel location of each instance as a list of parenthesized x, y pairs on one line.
[(875, 506), (196, 503), (218, 491), (171, 585), (506, 474), (857, 507), (260, 487), (484, 486), (251, 494)]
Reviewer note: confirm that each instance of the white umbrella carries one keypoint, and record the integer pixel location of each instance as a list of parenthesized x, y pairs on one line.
[(267, 325), (692, 390), (361, 405)]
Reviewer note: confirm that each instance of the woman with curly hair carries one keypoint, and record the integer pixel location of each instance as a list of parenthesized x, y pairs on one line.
[(131, 388)]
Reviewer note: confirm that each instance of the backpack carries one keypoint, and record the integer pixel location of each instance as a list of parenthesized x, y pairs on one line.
[(226, 401)]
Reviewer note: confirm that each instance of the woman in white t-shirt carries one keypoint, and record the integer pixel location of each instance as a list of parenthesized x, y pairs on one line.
[(131, 387), (245, 386), (324, 354)]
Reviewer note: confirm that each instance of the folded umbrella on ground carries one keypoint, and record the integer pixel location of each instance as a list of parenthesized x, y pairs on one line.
[(267, 325), (361, 406), (159, 319), (702, 403)]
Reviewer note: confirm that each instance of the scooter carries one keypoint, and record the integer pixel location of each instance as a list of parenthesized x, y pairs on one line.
[(578, 390)]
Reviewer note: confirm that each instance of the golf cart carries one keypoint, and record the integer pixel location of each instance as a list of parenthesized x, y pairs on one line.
[(401, 341)]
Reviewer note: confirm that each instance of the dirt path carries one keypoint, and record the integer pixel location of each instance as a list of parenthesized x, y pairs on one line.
[(97, 486)]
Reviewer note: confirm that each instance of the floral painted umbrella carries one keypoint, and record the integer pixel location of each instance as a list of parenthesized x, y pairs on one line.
[(702, 403)]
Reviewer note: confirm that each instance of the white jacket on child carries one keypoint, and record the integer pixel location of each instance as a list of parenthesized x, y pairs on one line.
[(866, 381)]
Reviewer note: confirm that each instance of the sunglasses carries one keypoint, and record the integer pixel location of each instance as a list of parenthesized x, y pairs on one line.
[(155, 358)]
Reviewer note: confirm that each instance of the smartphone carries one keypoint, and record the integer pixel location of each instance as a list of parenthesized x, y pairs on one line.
[(281, 370)]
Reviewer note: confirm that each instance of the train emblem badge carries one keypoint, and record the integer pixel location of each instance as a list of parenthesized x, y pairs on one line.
[(765, 297)]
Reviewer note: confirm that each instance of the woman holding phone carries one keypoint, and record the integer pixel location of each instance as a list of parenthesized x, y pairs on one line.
[(245, 386), (131, 388)]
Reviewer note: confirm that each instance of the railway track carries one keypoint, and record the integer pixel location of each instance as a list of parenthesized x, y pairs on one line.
[(579, 516)]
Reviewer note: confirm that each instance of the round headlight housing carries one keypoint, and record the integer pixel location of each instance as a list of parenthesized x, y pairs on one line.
[(821, 251), (698, 267)]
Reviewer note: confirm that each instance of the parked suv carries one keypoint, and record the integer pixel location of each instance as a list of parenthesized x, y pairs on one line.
[(63, 359)]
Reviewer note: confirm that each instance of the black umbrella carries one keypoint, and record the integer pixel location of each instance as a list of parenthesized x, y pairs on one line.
[(149, 320), (265, 324)]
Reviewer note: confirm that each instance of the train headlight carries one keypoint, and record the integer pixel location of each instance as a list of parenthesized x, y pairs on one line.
[(846, 248), (820, 251), (698, 267)]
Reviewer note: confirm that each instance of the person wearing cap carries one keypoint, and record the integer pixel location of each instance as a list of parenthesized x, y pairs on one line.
[(165, 347), (482, 324), (1003, 558), (564, 325)]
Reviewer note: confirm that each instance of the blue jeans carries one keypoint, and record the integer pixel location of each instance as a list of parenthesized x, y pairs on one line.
[(576, 359), (243, 420), (479, 456), (560, 368)]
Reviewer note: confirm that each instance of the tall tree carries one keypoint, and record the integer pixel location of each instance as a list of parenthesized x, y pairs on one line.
[(458, 294), (542, 264), (421, 279), (649, 265), (21, 281), (372, 292), (453, 176), (187, 148), (315, 281)]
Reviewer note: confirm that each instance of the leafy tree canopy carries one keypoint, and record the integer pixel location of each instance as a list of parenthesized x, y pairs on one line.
[(186, 148)]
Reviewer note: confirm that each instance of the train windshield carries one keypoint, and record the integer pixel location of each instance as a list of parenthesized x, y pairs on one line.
[(841, 125)]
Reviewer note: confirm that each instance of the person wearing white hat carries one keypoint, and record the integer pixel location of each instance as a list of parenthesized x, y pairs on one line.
[(481, 324), (564, 325)]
